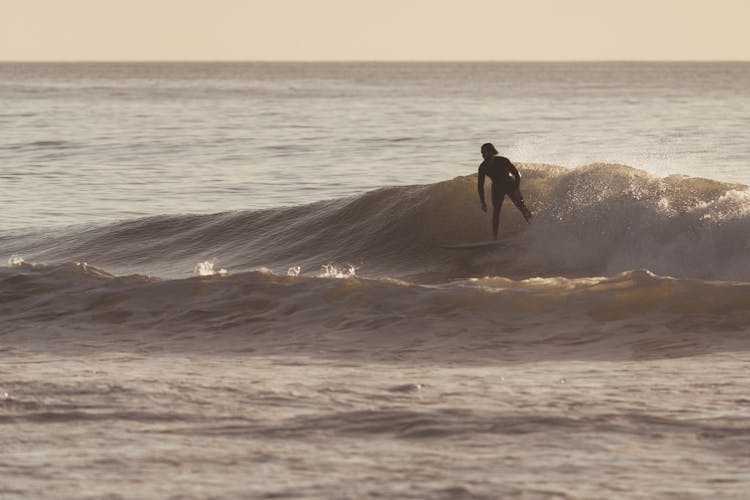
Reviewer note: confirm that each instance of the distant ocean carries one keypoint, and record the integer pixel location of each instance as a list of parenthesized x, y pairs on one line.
[(228, 279)]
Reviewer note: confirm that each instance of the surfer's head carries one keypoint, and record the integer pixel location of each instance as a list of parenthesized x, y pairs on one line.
[(488, 150)]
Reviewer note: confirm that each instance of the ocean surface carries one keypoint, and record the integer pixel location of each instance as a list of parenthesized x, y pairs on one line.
[(229, 280)]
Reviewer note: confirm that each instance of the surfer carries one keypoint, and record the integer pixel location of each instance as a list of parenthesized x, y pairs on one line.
[(505, 181)]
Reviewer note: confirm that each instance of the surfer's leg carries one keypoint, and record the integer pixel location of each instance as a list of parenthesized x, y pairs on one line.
[(517, 198), (497, 204)]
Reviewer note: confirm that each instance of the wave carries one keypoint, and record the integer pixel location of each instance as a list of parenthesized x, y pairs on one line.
[(634, 314), (599, 219)]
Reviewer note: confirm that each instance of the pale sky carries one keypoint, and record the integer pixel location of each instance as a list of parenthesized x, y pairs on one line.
[(300, 30)]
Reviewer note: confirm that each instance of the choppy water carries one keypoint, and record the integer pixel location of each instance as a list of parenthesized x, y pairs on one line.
[(228, 280)]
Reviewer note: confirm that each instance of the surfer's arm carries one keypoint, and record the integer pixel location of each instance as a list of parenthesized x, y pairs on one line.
[(515, 173), (480, 187)]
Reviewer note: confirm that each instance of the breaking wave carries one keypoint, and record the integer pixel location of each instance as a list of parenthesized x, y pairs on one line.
[(596, 220)]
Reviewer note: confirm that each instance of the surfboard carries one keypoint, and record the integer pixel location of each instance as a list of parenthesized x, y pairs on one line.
[(476, 245)]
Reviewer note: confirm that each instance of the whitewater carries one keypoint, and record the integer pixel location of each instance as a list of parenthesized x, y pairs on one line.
[(229, 280)]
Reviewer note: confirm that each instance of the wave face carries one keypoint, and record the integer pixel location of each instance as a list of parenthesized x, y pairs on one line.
[(597, 220)]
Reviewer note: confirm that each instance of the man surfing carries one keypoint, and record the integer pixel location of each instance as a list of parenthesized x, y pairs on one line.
[(505, 181)]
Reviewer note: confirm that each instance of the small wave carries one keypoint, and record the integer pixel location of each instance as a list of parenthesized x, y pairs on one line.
[(635, 313), (51, 144)]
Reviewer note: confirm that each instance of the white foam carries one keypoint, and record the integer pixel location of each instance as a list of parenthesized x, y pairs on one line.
[(332, 271), (15, 261), (206, 268), (294, 271)]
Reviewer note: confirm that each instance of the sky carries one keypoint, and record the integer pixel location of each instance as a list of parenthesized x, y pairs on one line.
[(391, 30)]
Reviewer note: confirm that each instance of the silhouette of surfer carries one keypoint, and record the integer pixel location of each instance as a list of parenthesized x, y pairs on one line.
[(505, 181)]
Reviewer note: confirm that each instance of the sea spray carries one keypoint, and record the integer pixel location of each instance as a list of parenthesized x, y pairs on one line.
[(15, 261), (206, 268), (332, 271), (294, 271)]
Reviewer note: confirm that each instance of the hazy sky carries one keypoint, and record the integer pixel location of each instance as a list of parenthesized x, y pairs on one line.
[(374, 29)]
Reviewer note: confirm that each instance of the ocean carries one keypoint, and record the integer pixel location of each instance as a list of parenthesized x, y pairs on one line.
[(229, 280)]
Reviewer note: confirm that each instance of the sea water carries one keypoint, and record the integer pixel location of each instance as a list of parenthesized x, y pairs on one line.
[(227, 279)]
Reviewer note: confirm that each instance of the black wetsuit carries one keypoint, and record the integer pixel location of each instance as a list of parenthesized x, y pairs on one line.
[(505, 181)]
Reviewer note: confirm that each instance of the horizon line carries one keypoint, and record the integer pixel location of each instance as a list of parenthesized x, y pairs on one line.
[(386, 61)]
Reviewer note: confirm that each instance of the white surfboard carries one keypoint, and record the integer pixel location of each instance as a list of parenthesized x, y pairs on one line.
[(476, 245)]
